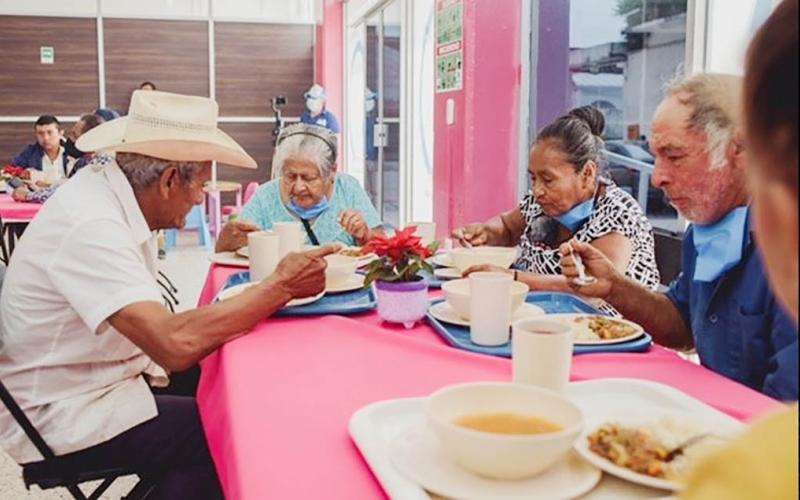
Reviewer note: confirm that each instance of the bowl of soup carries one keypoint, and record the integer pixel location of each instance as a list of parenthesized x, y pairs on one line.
[(340, 268), (464, 258), (503, 430), (457, 294)]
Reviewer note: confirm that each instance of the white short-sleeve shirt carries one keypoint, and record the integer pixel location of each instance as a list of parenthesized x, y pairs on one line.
[(88, 253)]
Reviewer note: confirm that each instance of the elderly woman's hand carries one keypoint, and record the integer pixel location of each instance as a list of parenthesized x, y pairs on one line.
[(472, 235), (354, 224), (234, 235)]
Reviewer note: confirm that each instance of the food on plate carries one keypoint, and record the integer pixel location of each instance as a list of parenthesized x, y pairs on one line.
[(350, 251), (507, 423), (632, 448), (607, 328)]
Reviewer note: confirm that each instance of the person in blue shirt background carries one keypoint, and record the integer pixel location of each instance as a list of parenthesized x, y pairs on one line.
[(315, 113), (721, 303)]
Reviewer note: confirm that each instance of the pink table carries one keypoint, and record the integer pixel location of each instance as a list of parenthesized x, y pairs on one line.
[(17, 211), (276, 403)]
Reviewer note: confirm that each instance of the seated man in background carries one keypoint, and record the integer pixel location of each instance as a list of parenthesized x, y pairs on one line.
[(78, 159), (721, 303), (83, 327), (46, 155)]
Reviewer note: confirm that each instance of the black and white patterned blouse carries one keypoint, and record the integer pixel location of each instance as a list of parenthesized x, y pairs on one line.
[(615, 212)]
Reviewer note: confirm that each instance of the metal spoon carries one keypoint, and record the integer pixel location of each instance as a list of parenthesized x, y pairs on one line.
[(582, 279), (677, 451)]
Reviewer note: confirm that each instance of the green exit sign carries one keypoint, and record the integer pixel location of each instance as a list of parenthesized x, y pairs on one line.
[(47, 55)]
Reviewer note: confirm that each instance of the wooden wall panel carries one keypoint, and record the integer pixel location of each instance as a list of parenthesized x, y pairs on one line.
[(15, 136), (256, 139), (256, 62), (67, 87), (171, 54)]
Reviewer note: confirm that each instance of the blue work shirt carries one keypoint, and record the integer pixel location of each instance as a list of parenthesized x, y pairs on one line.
[(739, 329), (324, 119)]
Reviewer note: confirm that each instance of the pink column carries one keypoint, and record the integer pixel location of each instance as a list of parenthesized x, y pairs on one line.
[(329, 58), (475, 159)]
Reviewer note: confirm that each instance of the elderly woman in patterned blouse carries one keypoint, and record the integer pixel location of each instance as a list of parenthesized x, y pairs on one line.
[(569, 199), (333, 207)]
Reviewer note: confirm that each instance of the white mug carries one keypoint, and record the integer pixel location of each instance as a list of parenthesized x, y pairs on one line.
[(291, 236), (541, 352), (489, 308), (264, 248), (426, 231)]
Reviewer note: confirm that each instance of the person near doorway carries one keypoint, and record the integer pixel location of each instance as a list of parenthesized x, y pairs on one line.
[(371, 153), (316, 112)]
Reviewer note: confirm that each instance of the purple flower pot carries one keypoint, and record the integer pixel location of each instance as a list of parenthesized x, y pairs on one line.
[(403, 302)]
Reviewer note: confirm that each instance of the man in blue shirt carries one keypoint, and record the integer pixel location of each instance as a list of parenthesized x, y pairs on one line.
[(46, 154), (315, 113), (721, 303)]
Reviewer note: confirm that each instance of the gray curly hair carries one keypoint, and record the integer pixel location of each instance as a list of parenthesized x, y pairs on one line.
[(143, 171), (715, 103), (312, 143)]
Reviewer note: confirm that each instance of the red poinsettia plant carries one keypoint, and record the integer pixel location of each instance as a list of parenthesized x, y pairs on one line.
[(400, 258), (10, 171)]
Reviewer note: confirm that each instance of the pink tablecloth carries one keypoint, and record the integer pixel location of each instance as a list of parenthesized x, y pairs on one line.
[(276, 403), (17, 211)]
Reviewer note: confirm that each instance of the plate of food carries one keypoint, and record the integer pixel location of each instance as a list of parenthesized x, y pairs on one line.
[(596, 329), (443, 259), (237, 289), (657, 450)]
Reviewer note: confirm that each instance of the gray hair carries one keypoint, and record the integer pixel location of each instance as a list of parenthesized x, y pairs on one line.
[(312, 143), (716, 111), (143, 171)]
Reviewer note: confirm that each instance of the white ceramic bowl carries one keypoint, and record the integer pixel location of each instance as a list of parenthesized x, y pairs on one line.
[(339, 270), (503, 456), (457, 294), (464, 258)]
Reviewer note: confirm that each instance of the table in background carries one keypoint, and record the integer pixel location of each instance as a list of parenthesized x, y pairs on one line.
[(15, 217), (214, 202), (276, 402)]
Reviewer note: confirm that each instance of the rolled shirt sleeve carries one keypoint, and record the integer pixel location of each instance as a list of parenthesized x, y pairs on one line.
[(114, 277)]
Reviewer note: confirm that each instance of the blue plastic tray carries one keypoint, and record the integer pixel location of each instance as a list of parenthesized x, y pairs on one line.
[(552, 303), (356, 302)]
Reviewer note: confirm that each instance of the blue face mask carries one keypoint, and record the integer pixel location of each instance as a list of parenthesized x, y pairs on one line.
[(577, 215), (719, 245), (311, 212)]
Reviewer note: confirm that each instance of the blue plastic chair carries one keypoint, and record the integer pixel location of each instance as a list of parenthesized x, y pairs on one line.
[(196, 219)]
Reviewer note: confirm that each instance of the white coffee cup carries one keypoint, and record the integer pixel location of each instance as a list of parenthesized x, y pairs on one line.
[(541, 352), (489, 308), (426, 231), (264, 248), (290, 236)]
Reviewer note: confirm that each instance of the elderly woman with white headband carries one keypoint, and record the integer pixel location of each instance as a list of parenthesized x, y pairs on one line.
[(333, 207)]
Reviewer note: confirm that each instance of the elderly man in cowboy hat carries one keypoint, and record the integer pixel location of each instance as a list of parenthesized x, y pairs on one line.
[(83, 327)]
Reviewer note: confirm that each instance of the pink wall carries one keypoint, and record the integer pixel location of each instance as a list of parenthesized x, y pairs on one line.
[(475, 159), (329, 59)]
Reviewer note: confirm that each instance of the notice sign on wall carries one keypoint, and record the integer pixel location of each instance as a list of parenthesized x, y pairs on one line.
[(449, 45), (47, 55)]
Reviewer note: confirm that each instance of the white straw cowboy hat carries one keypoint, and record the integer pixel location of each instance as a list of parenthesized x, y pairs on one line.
[(168, 126)]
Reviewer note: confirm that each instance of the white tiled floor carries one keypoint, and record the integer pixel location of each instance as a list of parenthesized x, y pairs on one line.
[(186, 266)]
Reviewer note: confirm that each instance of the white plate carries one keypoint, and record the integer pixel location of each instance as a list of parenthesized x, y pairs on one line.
[(243, 252), (237, 289), (354, 282), (418, 455), (443, 260), (680, 426), (447, 273), (229, 259), (444, 312), (374, 426), (583, 325)]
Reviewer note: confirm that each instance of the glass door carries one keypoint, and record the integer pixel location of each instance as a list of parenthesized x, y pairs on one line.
[(383, 111)]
